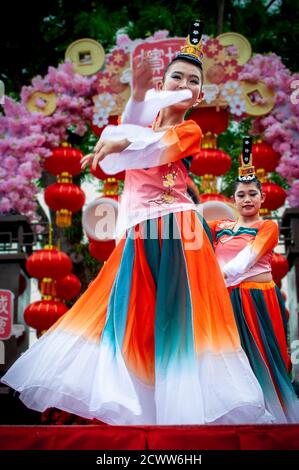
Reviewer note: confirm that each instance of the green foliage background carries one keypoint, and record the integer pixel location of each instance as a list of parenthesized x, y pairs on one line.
[(34, 35)]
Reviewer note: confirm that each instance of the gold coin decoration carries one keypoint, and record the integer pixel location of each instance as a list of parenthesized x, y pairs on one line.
[(87, 55), (259, 98), (40, 102), (240, 42)]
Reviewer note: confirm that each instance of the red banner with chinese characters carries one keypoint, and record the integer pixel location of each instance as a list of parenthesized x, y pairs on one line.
[(6, 313), (160, 52)]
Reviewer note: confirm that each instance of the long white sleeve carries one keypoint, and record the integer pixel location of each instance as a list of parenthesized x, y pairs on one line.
[(149, 149), (143, 113), (134, 113)]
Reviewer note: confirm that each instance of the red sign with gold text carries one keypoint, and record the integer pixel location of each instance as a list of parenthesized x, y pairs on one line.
[(6, 313)]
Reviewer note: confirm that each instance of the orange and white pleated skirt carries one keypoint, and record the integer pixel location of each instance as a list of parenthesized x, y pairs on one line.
[(153, 340)]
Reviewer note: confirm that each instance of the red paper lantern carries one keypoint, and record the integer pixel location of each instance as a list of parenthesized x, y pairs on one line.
[(280, 267), (65, 199), (49, 262), (64, 196), (210, 161), (275, 196), (42, 314), (263, 156), (68, 287), (101, 250), (211, 119), (64, 159), (47, 265)]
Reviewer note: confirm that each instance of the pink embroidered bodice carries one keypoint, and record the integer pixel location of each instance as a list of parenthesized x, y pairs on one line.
[(246, 252), (153, 192)]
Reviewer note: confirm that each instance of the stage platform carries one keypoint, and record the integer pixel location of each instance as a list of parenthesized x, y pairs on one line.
[(104, 437)]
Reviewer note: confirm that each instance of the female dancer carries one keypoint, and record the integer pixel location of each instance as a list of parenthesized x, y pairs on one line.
[(244, 251), (153, 339)]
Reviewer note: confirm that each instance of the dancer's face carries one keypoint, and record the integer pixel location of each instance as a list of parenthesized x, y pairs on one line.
[(248, 199), (182, 75)]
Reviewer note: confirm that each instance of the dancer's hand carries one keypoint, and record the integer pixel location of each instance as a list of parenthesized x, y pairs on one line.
[(142, 78), (101, 150)]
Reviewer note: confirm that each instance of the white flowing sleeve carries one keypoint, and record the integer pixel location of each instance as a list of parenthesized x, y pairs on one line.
[(240, 264), (143, 113), (149, 149)]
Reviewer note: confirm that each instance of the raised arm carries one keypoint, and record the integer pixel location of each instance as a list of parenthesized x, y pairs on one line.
[(141, 83), (146, 101)]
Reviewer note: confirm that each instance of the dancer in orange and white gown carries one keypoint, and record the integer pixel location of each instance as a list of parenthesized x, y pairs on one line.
[(244, 251), (153, 340)]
